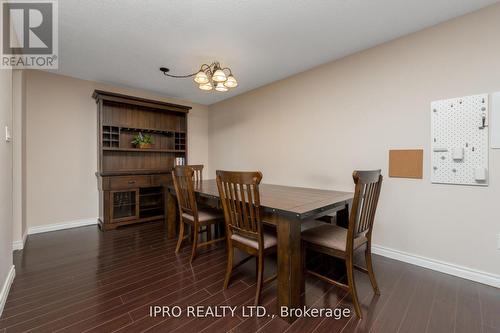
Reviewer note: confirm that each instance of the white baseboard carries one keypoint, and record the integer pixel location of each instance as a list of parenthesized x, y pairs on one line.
[(61, 226), (19, 244), (440, 266), (4, 292)]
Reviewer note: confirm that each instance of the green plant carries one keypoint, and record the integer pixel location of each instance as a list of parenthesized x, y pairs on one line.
[(141, 139)]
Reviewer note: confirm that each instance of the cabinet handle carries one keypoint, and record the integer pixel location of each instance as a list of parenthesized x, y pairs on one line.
[(131, 182)]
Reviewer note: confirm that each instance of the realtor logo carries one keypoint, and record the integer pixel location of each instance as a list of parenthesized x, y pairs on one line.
[(29, 34)]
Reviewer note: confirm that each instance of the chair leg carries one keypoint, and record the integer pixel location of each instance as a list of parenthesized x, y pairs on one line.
[(260, 276), (352, 286), (369, 268), (229, 269), (181, 237), (256, 268), (195, 242)]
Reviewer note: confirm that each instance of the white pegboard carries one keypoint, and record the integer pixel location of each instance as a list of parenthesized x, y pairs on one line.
[(459, 142)]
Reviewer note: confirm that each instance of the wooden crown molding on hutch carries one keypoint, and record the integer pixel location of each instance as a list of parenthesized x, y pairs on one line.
[(139, 101), (133, 181)]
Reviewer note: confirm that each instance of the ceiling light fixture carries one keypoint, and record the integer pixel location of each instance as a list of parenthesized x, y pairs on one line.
[(209, 77)]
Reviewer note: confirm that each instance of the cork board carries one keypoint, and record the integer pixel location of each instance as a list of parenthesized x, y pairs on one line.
[(406, 163)]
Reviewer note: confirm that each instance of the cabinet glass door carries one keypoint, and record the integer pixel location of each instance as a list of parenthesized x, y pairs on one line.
[(125, 205)]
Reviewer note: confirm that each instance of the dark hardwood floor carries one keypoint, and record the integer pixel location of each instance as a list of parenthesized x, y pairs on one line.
[(83, 280)]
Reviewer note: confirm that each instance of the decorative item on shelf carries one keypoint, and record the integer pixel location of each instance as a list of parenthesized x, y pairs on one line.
[(209, 77), (180, 161), (143, 141)]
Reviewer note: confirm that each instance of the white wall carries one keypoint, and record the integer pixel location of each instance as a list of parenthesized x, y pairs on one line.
[(5, 183), (315, 128), (61, 147), (19, 228)]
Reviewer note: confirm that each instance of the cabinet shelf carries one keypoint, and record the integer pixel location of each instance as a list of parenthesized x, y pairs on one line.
[(151, 194), (146, 150), (149, 130), (125, 204), (143, 209), (151, 218)]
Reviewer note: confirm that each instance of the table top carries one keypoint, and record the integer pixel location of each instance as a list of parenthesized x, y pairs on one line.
[(297, 202)]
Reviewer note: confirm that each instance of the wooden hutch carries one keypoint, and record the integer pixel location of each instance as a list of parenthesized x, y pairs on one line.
[(132, 181)]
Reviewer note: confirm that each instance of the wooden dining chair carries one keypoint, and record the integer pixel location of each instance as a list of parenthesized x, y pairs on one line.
[(183, 178), (198, 172), (341, 243), (239, 194), (198, 178)]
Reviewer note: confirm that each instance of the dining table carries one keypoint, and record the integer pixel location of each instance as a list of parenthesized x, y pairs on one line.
[(285, 207)]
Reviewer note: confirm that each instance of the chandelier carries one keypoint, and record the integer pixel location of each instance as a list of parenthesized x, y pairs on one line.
[(209, 77)]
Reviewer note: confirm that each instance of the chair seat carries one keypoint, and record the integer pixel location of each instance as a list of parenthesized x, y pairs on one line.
[(330, 236), (306, 225), (269, 240), (203, 216)]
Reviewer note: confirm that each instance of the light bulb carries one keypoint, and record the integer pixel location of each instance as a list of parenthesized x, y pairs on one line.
[(219, 76), (231, 82), (205, 86), (220, 87), (201, 77)]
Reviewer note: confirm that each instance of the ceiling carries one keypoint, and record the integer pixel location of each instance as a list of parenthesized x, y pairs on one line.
[(124, 42)]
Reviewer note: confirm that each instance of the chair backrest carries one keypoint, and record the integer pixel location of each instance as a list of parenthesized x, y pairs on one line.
[(182, 177), (364, 205), (239, 194), (198, 172)]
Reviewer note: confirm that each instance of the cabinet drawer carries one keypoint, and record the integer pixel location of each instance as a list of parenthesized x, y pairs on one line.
[(161, 180), (124, 182)]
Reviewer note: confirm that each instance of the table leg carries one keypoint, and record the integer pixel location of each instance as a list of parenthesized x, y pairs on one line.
[(343, 215), (171, 215), (289, 265)]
